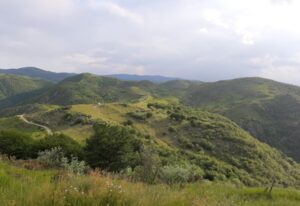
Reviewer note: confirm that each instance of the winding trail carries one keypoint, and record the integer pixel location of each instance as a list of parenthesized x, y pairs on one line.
[(47, 129)]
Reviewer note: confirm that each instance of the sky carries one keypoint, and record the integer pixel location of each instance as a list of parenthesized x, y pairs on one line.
[(206, 40)]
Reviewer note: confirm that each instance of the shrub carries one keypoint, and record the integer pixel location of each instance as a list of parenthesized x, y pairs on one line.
[(55, 158), (140, 115), (128, 123), (180, 174), (149, 114), (16, 144), (205, 144), (177, 117), (69, 146), (149, 166), (111, 148), (74, 165), (52, 157), (171, 129)]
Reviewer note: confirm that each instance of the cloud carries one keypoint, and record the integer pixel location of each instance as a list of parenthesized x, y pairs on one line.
[(215, 17), (279, 68), (117, 10), (281, 1), (206, 40)]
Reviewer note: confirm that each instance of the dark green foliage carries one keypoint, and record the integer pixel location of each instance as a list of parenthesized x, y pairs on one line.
[(76, 118), (171, 129), (269, 110), (11, 85), (69, 146), (157, 106), (140, 115), (37, 73), (112, 148), (16, 144), (177, 117), (128, 123), (88, 88)]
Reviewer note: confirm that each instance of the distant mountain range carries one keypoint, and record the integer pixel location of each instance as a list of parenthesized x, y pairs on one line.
[(37, 73), (56, 77), (151, 78), (243, 128), (268, 110)]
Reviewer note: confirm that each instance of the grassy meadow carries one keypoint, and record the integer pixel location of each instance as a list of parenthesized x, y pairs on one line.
[(24, 187)]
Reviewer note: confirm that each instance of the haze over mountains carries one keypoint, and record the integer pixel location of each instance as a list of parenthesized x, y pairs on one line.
[(56, 77)]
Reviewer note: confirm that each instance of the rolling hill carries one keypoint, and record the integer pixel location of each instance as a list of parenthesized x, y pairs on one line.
[(88, 88), (181, 135), (37, 73), (269, 110), (151, 78), (11, 85)]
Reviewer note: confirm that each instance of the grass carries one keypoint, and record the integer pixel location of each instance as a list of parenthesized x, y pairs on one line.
[(24, 187), (79, 133), (14, 123)]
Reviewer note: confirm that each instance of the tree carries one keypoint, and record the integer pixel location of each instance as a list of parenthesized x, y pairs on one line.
[(112, 148), (16, 144), (69, 146)]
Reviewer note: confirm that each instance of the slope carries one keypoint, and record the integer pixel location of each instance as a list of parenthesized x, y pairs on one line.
[(37, 73), (269, 110), (11, 85), (88, 88), (183, 136)]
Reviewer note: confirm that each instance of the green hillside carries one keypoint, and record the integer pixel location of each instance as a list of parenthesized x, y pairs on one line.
[(88, 88), (184, 136), (269, 110), (11, 85), (34, 72)]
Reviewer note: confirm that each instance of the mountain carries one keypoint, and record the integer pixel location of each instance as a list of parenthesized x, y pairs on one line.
[(11, 85), (181, 135), (151, 78), (37, 73), (88, 88), (269, 110)]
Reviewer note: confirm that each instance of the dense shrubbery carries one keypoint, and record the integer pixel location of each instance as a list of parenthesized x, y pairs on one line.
[(112, 148), (140, 115), (23, 147), (69, 146), (16, 144), (55, 158)]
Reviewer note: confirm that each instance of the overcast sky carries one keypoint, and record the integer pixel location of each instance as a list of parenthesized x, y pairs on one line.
[(197, 39)]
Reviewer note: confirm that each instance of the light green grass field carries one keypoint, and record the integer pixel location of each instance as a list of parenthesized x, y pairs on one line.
[(22, 187)]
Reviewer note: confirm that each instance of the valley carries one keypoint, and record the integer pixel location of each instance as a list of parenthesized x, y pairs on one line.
[(240, 133)]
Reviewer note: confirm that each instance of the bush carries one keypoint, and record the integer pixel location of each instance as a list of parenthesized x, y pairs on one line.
[(55, 158), (112, 148), (74, 165), (128, 123), (177, 117), (52, 157), (149, 166), (180, 174), (16, 144), (69, 146), (171, 129)]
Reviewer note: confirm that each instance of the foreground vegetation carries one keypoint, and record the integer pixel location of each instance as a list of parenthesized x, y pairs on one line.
[(19, 186)]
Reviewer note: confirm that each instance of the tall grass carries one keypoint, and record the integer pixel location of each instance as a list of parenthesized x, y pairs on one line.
[(46, 188)]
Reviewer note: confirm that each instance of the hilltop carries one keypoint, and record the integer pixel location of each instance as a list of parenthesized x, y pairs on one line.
[(11, 85), (269, 110), (37, 73)]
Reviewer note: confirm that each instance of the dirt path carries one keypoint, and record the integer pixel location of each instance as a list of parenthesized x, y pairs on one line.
[(47, 129)]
